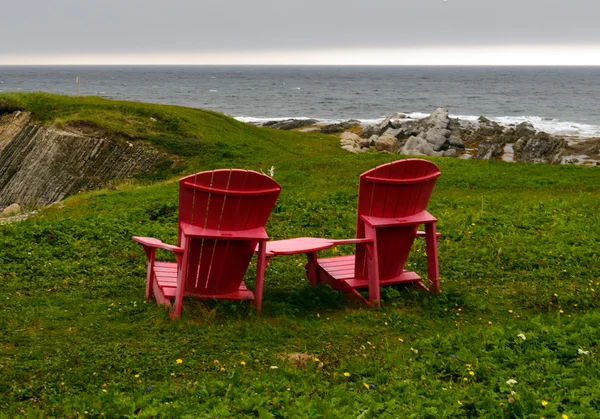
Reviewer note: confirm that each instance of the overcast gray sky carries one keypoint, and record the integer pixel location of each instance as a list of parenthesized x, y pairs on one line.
[(168, 31)]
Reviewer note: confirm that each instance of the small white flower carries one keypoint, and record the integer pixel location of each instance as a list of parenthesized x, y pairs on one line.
[(274, 367), (272, 171), (512, 393), (511, 382), (582, 352), (522, 336)]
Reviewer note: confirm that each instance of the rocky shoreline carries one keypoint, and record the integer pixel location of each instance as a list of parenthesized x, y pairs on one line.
[(440, 135)]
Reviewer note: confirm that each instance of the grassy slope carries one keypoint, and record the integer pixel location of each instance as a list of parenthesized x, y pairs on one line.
[(519, 254)]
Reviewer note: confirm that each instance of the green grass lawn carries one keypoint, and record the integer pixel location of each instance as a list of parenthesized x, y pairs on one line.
[(519, 261)]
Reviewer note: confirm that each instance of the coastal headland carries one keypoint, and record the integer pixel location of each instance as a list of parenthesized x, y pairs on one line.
[(53, 146)]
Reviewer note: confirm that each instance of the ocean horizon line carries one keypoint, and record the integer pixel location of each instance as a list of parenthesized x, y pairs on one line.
[(112, 65)]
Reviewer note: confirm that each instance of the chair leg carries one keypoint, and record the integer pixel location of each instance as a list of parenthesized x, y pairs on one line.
[(311, 268), (151, 254), (260, 275), (373, 266), (433, 271), (179, 292)]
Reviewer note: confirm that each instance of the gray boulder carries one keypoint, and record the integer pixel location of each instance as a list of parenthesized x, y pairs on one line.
[(367, 131), (373, 139), (418, 146), (388, 122), (393, 132), (387, 143), (541, 148), (455, 141), (347, 135), (436, 138), (524, 129), (450, 152), (437, 119), (350, 148), (489, 150)]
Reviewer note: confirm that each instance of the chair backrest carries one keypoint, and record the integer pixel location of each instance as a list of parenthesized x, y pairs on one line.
[(398, 189), (225, 200)]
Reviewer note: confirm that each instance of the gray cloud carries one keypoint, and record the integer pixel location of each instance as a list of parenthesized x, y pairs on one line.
[(130, 26)]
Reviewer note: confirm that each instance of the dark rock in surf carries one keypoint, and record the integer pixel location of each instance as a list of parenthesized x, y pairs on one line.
[(289, 124)]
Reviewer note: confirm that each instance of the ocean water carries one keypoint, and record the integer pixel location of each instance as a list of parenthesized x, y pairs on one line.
[(558, 100)]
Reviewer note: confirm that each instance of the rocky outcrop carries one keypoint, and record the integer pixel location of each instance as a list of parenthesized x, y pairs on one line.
[(42, 165), (434, 136), (289, 124), (539, 148), (440, 135)]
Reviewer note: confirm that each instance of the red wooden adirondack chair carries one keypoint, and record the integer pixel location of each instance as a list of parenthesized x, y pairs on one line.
[(222, 217), (391, 205)]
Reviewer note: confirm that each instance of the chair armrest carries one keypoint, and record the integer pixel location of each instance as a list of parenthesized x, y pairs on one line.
[(379, 222), (189, 230), (157, 244)]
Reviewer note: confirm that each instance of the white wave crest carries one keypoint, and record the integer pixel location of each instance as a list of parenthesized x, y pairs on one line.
[(550, 125)]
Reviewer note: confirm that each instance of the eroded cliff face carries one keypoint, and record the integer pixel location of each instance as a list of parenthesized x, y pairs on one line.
[(42, 165)]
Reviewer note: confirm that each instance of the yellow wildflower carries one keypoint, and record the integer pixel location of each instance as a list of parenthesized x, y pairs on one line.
[(366, 385), (316, 359), (242, 363), (544, 403), (179, 361), (471, 373), (564, 416), (104, 390), (460, 403), (137, 376), (346, 374), (401, 340)]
